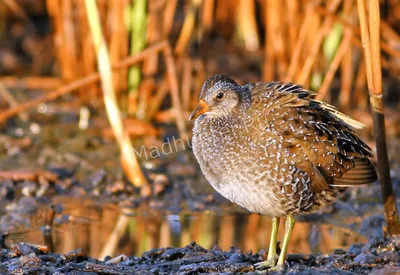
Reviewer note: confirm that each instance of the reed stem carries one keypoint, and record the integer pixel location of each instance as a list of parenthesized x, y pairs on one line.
[(138, 18), (370, 35), (129, 162)]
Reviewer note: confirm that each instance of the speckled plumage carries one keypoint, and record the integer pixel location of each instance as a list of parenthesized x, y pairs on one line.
[(272, 149)]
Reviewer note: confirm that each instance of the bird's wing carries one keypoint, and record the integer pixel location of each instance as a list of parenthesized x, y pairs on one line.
[(316, 133)]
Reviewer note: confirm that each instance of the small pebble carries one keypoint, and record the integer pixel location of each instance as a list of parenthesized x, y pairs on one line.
[(28, 188), (365, 258), (355, 249), (237, 258), (340, 252)]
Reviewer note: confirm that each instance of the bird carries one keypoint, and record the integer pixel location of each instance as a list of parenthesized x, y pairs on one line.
[(274, 149)]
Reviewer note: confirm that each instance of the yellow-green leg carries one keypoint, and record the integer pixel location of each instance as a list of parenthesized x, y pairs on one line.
[(272, 256), (289, 224)]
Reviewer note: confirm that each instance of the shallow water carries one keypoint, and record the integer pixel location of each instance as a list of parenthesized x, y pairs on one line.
[(104, 230)]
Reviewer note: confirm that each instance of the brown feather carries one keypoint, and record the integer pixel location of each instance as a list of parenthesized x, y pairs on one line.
[(363, 172), (323, 136)]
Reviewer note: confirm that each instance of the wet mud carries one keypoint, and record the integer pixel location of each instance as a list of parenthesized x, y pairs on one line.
[(377, 256)]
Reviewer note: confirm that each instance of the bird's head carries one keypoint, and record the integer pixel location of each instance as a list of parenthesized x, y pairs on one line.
[(220, 95)]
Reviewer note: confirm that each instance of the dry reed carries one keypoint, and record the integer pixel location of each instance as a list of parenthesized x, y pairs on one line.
[(129, 161), (370, 34)]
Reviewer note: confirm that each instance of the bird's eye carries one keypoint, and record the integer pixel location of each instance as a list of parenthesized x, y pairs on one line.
[(220, 95)]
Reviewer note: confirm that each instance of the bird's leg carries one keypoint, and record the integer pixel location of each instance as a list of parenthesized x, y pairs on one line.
[(272, 257), (289, 224)]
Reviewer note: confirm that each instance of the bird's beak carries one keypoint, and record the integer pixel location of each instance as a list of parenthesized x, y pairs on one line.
[(201, 108)]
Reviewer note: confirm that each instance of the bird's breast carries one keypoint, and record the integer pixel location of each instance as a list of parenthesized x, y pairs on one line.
[(237, 167)]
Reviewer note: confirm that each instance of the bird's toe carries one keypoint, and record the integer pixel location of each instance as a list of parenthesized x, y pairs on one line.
[(265, 264)]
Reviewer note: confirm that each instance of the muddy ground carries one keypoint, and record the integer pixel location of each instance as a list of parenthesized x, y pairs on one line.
[(377, 256)]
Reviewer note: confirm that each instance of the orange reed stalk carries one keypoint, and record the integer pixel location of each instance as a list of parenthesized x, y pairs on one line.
[(276, 38), (198, 82), (168, 17), (359, 87), (347, 71), (53, 8), (187, 28), (207, 16), (123, 79), (246, 24), (174, 89), (326, 25), (343, 48), (299, 45), (87, 53), (116, 28), (186, 83), (293, 21), (158, 98), (70, 58), (154, 34), (31, 82), (269, 53)]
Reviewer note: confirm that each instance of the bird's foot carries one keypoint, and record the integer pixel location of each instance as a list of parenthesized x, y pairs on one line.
[(276, 268), (266, 264)]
